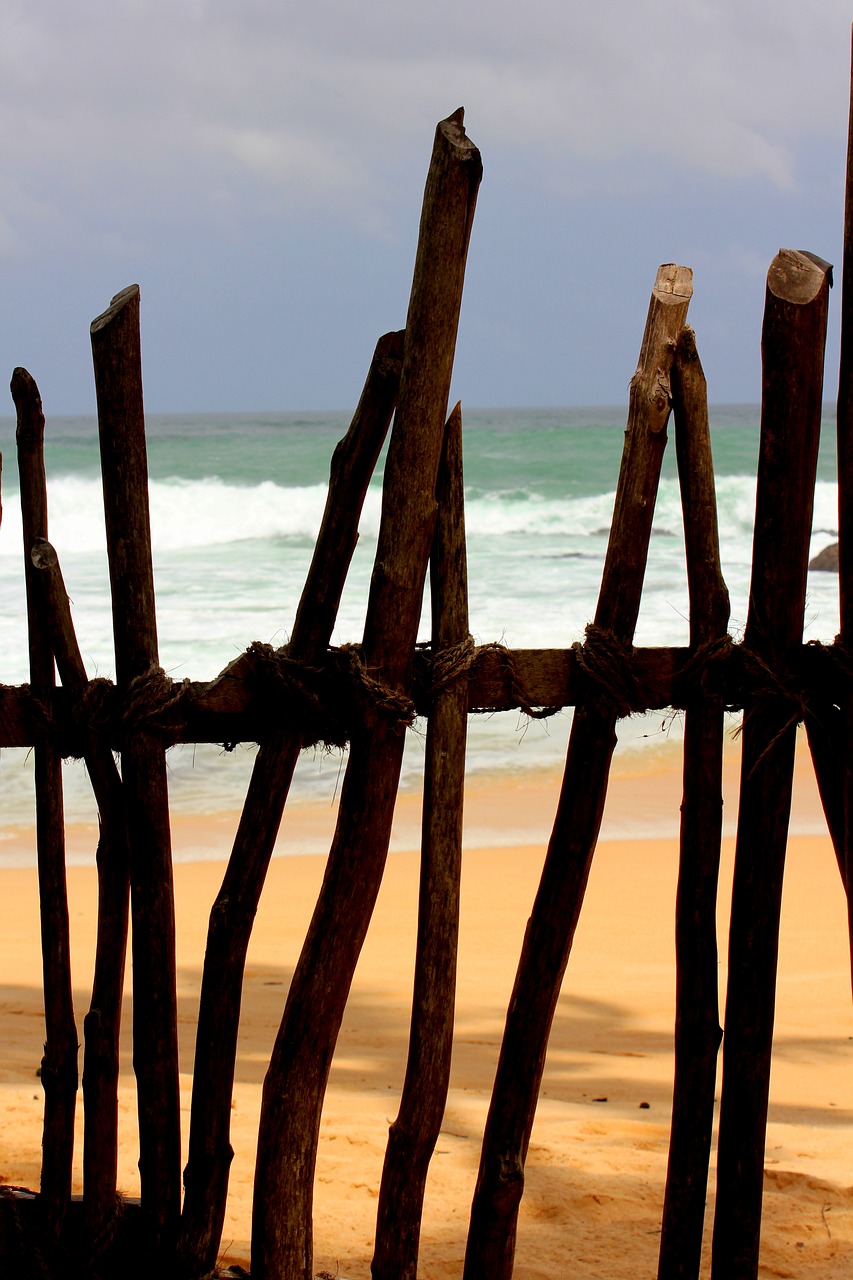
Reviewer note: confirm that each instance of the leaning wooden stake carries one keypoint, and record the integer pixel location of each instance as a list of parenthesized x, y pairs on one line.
[(296, 1080), (102, 1023), (845, 516), (59, 1065), (793, 341), (121, 423), (697, 1025), (551, 928), (233, 913), (414, 1133)]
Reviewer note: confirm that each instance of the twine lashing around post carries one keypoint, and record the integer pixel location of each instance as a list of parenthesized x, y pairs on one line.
[(151, 700), (606, 664), (329, 698), (712, 670), (373, 694), (295, 690)]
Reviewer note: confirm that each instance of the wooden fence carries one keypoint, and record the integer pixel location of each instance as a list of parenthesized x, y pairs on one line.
[(366, 695)]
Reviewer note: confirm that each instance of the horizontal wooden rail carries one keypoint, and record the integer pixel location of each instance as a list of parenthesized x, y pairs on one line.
[(236, 705)]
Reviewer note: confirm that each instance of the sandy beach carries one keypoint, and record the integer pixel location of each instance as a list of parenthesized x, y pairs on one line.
[(597, 1161)]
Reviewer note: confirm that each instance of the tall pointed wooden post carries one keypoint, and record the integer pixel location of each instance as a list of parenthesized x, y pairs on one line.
[(282, 1246)]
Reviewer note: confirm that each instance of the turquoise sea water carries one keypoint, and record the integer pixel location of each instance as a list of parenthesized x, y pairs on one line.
[(236, 502)]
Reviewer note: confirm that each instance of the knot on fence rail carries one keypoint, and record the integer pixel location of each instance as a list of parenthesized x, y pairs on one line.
[(606, 665), (708, 672), (151, 701), (325, 698), (441, 669)]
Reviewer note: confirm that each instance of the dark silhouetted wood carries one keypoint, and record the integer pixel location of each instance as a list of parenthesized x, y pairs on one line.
[(124, 465), (793, 341), (102, 1023), (296, 1080), (551, 928), (233, 913), (59, 1065), (697, 1018), (233, 707), (845, 516), (414, 1133)]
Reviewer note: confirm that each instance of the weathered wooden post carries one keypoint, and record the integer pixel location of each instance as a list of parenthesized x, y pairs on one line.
[(59, 1065), (551, 928), (295, 1084), (697, 1018), (121, 424), (845, 516), (414, 1133), (102, 1023), (793, 340)]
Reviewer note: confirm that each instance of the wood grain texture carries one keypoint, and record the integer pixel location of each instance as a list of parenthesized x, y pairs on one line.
[(845, 525), (124, 466), (59, 1073), (415, 1131), (793, 339), (296, 1080), (102, 1023), (697, 1019)]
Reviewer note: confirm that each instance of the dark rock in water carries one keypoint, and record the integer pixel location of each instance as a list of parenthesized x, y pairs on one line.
[(827, 559)]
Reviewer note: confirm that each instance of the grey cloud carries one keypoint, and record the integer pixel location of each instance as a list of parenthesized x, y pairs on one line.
[(214, 103)]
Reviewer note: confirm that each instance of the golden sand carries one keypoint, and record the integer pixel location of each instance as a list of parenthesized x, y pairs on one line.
[(595, 1171)]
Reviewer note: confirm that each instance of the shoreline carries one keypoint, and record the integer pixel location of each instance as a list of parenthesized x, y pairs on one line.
[(503, 809)]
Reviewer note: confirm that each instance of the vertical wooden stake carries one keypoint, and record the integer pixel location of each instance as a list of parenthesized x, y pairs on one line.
[(59, 1065), (121, 424), (102, 1023), (233, 913), (697, 1018), (793, 341), (551, 928), (414, 1133), (282, 1247), (845, 514)]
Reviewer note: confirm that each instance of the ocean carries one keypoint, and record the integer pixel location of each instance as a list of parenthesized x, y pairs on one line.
[(236, 502)]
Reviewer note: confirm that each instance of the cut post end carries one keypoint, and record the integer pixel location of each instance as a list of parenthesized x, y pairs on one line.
[(117, 304), (453, 129), (23, 384), (798, 277), (673, 283)]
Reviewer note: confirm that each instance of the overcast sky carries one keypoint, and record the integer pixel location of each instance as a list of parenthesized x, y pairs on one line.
[(257, 167)]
